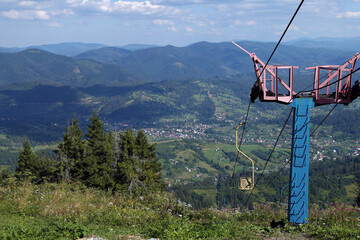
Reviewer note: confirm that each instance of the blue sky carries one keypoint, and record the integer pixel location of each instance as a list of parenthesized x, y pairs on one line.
[(175, 22)]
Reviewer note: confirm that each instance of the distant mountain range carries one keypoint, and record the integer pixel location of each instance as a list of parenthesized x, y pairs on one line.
[(39, 88), (350, 44), (66, 49), (35, 65), (112, 65), (204, 59), (71, 48), (135, 46)]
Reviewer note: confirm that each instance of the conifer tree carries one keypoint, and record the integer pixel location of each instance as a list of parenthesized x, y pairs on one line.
[(97, 171), (45, 170), (125, 172), (113, 139), (5, 173), (138, 165), (70, 153), (357, 201), (26, 163), (150, 166)]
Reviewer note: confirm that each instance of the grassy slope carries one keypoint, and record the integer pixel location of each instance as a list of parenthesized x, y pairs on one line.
[(212, 154), (61, 211)]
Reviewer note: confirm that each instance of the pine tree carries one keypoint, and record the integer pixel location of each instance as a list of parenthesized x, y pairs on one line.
[(26, 163), (5, 173), (45, 170), (150, 166), (357, 201), (138, 165), (114, 141), (97, 171), (70, 153), (125, 170)]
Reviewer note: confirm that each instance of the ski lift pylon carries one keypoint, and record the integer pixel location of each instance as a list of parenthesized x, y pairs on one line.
[(246, 183)]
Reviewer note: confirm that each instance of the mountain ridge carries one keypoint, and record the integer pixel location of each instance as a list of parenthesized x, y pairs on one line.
[(204, 59), (349, 44), (41, 66), (113, 65)]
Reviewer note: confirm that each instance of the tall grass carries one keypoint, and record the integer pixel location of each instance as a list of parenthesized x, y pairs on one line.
[(71, 211)]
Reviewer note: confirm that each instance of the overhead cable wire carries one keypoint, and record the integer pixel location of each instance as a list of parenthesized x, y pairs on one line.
[(284, 166), (268, 159), (241, 139), (277, 174), (324, 119), (282, 36), (245, 122), (333, 82), (303, 90)]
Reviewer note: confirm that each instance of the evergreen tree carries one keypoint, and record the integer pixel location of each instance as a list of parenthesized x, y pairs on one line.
[(150, 166), (26, 163), (114, 141), (358, 194), (125, 171), (5, 173), (70, 153), (36, 168), (45, 170), (138, 165), (97, 171)]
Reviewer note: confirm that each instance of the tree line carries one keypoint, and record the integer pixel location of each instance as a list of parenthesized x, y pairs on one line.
[(105, 160), (328, 182)]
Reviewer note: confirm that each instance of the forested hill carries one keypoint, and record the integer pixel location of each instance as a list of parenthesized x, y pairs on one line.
[(204, 59), (331, 43), (112, 65), (32, 109), (35, 65)]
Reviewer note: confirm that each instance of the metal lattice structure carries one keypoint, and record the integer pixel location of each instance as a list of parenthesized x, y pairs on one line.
[(342, 87), (269, 81), (270, 88)]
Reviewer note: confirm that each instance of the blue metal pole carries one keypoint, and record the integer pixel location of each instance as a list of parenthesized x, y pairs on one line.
[(299, 168)]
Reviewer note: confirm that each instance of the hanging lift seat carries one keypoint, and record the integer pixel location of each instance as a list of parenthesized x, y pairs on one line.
[(246, 183)]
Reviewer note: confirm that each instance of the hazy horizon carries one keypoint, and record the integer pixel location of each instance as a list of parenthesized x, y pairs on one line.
[(172, 22)]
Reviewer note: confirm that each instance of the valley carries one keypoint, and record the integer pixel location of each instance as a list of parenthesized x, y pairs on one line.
[(191, 117)]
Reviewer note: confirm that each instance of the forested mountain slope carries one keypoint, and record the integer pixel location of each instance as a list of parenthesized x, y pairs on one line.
[(40, 66), (204, 59)]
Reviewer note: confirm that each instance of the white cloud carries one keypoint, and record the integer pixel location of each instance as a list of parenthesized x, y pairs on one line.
[(54, 25), (245, 23), (125, 24), (27, 3), (123, 7), (163, 22), (172, 29), (166, 22), (294, 28), (26, 14), (349, 15), (66, 12), (179, 2), (250, 23), (189, 29), (214, 31)]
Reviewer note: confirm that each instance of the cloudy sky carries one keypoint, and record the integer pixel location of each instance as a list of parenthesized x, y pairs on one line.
[(176, 22)]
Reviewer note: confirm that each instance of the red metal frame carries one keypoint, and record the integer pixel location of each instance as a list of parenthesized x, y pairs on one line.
[(270, 77), (342, 87), (321, 91)]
